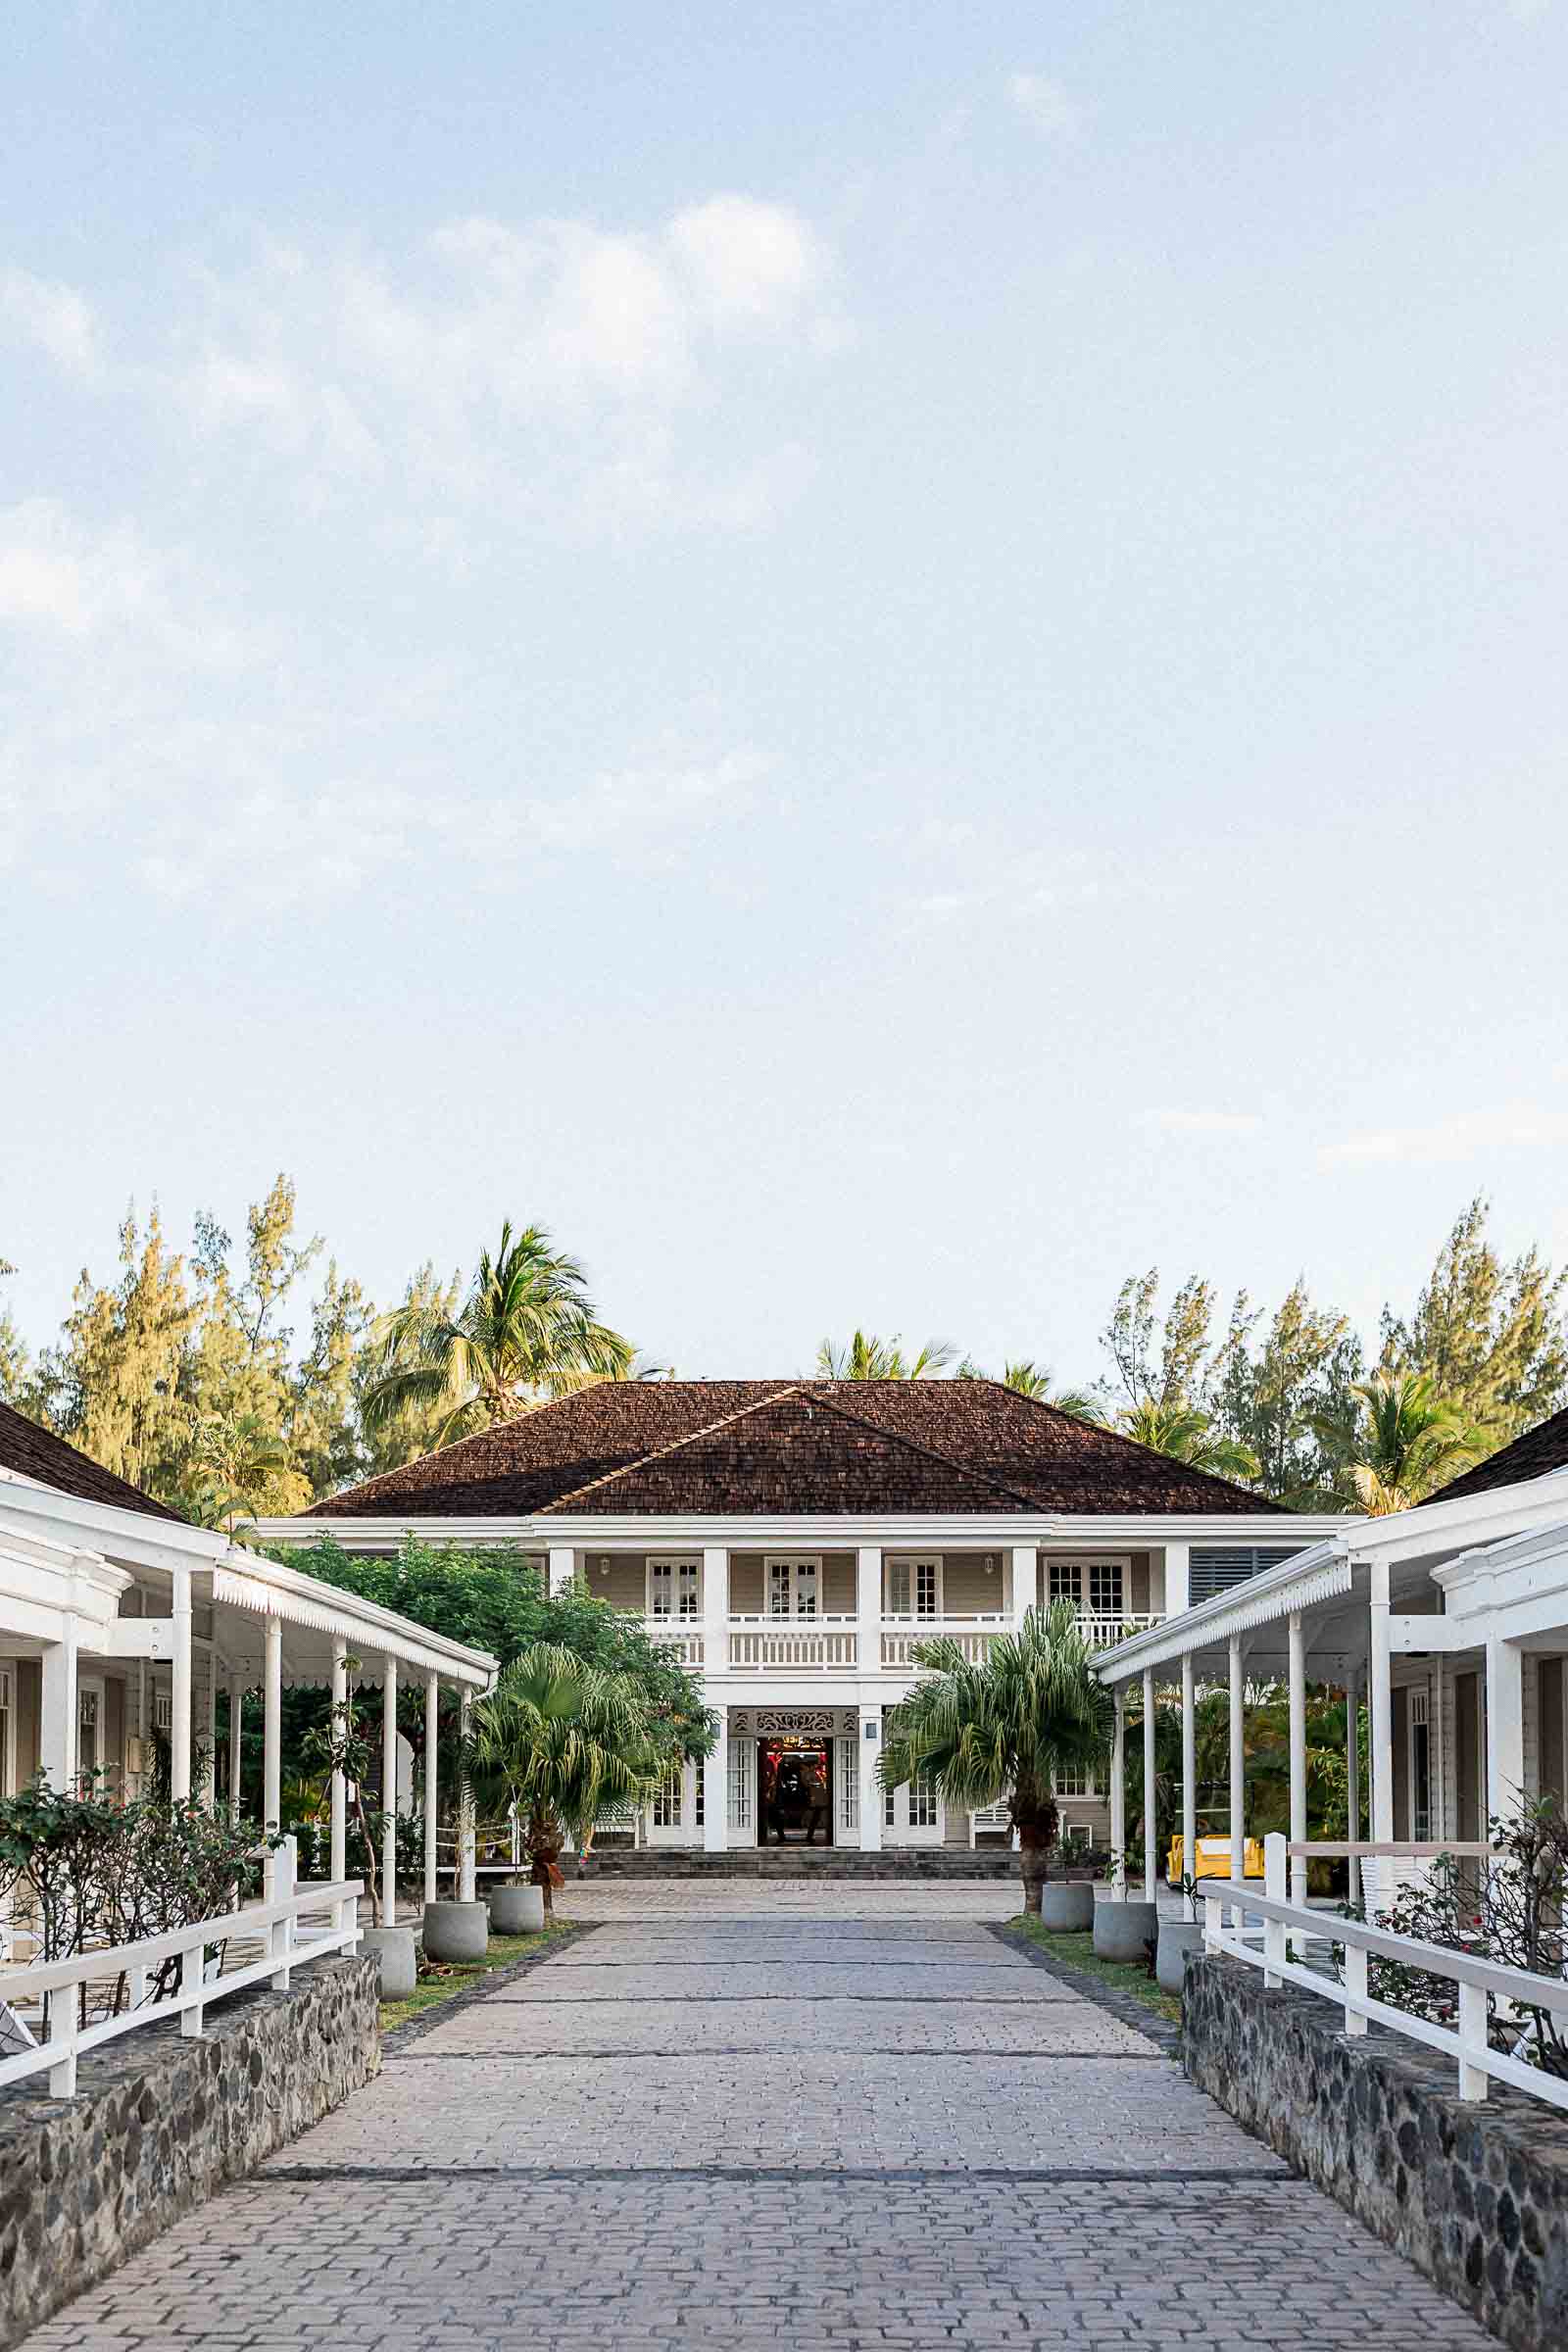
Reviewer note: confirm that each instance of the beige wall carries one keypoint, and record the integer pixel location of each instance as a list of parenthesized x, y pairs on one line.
[(30, 1695), (967, 1590)]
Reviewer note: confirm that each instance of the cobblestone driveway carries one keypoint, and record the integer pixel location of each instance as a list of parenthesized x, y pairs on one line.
[(833, 2122)]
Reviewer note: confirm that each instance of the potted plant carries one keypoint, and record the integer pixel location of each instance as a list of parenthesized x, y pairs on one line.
[(1067, 1909), (1178, 1937), (342, 1747)]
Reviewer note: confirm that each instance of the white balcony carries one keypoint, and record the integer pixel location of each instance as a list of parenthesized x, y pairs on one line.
[(793, 1644), (682, 1634), (974, 1635), (838, 1645), (1105, 1632)]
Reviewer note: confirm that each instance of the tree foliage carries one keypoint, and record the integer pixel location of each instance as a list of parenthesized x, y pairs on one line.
[(865, 1356)]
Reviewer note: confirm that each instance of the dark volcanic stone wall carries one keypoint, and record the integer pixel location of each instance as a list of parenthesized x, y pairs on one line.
[(1474, 2195), (159, 2124)]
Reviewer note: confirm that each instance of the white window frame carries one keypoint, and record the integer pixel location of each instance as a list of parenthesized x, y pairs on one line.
[(1419, 1716), (1082, 1795), (740, 1800), (897, 1827), (8, 1737), (684, 1825), (793, 1562), (1085, 1563), (677, 1563), (91, 1686), (911, 1565)]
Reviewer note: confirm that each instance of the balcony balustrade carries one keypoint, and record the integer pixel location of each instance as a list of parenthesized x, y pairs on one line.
[(837, 1644)]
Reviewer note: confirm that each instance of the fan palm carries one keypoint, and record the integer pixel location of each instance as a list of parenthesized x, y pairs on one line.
[(1406, 1440), (866, 1357), (1005, 1728), (1187, 1435), (526, 1332), (565, 1742)]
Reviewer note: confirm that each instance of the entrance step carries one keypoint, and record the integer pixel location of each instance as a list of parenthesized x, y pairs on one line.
[(799, 1862)]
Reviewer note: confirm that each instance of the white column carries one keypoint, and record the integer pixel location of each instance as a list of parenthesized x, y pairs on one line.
[(1188, 1779), (1238, 1765), (1381, 1696), (868, 1608), (389, 1790), (432, 1726), (1025, 1580), (1297, 1701), (563, 1569), (210, 1769), (338, 1863), (1176, 1578), (180, 1724), (56, 1713), (236, 1734), (1352, 1779), (273, 1726), (1505, 1723), (1151, 1813), (715, 1611), (1118, 1794), (465, 1872), (871, 1795), (715, 1770)]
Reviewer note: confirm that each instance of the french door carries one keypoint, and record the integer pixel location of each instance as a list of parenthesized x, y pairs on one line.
[(793, 1586)]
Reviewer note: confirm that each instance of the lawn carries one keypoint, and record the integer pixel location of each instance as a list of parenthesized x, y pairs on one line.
[(1078, 1951), (440, 1979)]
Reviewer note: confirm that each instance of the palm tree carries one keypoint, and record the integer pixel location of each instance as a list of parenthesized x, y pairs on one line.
[(1006, 1728), (1026, 1378), (866, 1357), (526, 1332), (1187, 1435), (565, 1741), (1405, 1440), (237, 1459)]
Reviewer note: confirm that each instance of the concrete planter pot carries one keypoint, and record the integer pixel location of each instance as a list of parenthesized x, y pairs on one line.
[(517, 1910), (1177, 1937), (1067, 1910), (1122, 1931), (392, 1950), (456, 1931)]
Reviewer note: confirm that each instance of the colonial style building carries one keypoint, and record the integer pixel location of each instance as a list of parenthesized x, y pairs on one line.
[(795, 1540)]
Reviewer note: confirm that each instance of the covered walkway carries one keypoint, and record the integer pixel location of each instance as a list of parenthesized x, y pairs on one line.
[(759, 2117)]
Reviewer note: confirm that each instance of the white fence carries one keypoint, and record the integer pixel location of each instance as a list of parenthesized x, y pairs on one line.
[(816, 1643), (900, 1637), (1286, 1924), (277, 1922)]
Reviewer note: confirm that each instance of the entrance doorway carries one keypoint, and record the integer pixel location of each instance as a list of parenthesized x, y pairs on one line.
[(794, 1791)]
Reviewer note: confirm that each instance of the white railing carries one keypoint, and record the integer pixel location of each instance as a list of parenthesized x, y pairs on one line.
[(813, 1644), (1466, 2043), (677, 1634), (1102, 1632), (276, 1921), (974, 1635)]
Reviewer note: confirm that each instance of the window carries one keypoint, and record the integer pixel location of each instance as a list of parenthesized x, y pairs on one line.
[(1080, 1783), (1065, 1576), (7, 1734), (90, 1717), (1212, 1571), (922, 1805), (1105, 1588), (912, 1589), (1420, 1767), (666, 1803), (163, 1711), (792, 1587), (672, 1589)]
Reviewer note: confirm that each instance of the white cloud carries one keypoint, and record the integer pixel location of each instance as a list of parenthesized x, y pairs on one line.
[(1046, 106), (1203, 1123), (55, 318), (79, 581), (1510, 1127)]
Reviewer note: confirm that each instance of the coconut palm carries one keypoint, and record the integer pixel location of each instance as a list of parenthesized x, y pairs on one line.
[(866, 1357), (1405, 1440), (1005, 1729), (1187, 1435), (526, 1332), (1026, 1378), (565, 1742)]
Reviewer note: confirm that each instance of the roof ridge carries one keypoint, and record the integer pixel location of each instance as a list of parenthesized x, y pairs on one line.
[(932, 1454), (673, 1445)]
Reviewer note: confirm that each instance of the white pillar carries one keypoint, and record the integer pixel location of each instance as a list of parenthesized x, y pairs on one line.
[(432, 1726), (871, 1795), (210, 1768), (179, 1720), (716, 1612), (1352, 1779), (1381, 1695), (868, 1608), (715, 1770), (1189, 1781), (563, 1569), (465, 1870), (1118, 1794), (1298, 1700), (338, 1862), (56, 1713), (1238, 1765), (389, 1790), (236, 1734), (273, 1726), (1505, 1720), (1176, 1578), (1026, 1580), (1151, 1812)]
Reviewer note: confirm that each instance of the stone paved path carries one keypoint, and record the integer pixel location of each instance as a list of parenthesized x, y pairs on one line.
[(845, 2124)]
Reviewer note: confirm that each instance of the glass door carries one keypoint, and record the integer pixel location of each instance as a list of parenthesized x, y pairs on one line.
[(792, 1587)]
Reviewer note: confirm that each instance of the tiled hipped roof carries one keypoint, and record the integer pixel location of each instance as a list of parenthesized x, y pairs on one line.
[(37, 1453), (735, 1448), (1542, 1449)]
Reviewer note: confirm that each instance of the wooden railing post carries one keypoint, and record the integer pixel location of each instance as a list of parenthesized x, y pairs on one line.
[(1275, 1863), (192, 1963), (1354, 1986), (1474, 2080)]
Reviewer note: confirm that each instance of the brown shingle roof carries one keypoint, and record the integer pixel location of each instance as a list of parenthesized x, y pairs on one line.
[(37, 1453), (945, 1447), (1542, 1449)]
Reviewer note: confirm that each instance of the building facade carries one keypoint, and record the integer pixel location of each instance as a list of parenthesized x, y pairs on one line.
[(793, 1541)]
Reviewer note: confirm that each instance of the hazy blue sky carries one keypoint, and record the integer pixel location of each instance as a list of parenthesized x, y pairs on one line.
[(884, 661)]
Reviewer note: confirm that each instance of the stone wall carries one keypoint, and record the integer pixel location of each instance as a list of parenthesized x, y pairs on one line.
[(159, 2124), (1474, 2193)]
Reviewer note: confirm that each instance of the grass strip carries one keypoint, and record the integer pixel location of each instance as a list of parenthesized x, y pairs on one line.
[(1078, 1951), (442, 1980)]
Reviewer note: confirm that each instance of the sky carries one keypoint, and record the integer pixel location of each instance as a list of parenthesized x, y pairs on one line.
[(883, 663)]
